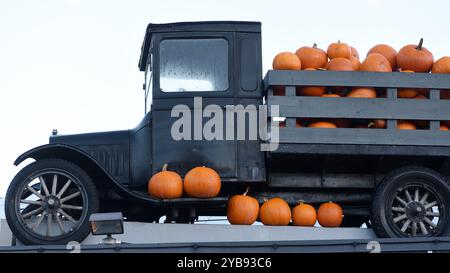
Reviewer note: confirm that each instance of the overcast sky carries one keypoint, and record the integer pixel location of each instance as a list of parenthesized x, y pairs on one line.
[(72, 64)]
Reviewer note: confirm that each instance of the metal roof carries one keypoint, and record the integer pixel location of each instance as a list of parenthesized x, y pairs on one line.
[(225, 26)]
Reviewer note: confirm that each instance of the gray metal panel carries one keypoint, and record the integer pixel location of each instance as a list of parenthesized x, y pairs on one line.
[(357, 78), (364, 136), (311, 180), (348, 181), (184, 238), (360, 108), (434, 244), (349, 149), (286, 180)]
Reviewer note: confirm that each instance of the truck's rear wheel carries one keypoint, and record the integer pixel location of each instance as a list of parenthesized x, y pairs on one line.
[(49, 202), (411, 202)]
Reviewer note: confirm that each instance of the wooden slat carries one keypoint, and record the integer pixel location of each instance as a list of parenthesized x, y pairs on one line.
[(361, 108), (357, 78), (364, 136)]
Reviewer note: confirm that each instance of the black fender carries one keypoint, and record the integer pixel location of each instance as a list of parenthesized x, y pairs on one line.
[(99, 174)]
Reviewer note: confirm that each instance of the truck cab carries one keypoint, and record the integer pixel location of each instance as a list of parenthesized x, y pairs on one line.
[(218, 64)]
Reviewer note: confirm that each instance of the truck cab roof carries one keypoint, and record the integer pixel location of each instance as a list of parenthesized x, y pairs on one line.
[(215, 26)]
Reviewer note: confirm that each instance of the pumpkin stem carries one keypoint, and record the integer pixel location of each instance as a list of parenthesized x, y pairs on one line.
[(371, 125), (419, 46), (339, 41), (246, 190), (314, 45), (164, 168), (300, 202)]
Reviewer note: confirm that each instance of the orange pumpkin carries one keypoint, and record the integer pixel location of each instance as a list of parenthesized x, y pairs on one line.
[(407, 93), (310, 90), (378, 124), (275, 212), (362, 92), (339, 50), (165, 184), (312, 57), (339, 64), (304, 215), (387, 51), (420, 97), (406, 125), (242, 209), (355, 63), (286, 61), (446, 123), (330, 95), (415, 57), (441, 66), (322, 124), (443, 128), (202, 182), (355, 53), (330, 215), (376, 62)]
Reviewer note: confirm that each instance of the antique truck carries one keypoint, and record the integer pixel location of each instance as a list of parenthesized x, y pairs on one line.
[(394, 181)]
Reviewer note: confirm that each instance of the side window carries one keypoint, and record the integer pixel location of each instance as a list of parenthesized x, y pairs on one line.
[(189, 65)]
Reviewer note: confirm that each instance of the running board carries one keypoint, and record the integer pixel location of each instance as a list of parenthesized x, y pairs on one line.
[(185, 201)]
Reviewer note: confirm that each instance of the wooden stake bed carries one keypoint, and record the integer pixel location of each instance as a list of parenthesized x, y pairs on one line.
[(363, 141)]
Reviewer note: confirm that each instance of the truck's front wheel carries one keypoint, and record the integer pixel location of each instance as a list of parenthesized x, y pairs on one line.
[(49, 202), (411, 202)]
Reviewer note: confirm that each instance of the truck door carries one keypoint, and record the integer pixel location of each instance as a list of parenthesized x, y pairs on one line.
[(188, 65)]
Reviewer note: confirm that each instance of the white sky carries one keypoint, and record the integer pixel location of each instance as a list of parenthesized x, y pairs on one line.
[(72, 64)]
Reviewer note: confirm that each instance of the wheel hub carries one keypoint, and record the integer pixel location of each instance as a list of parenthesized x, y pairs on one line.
[(51, 204), (415, 211)]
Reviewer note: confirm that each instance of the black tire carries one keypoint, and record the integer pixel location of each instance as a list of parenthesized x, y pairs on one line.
[(395, 212), (63, 171)]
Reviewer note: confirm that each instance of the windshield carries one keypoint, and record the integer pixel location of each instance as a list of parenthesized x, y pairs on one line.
[(194, 65)]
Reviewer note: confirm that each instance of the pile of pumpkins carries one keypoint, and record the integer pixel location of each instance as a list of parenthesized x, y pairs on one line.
[(204, 182), (245, 210), (200, 182), (380, 58)]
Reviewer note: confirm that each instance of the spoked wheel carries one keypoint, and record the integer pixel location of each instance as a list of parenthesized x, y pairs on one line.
[(416, 210), (411, 202), (49, 202)]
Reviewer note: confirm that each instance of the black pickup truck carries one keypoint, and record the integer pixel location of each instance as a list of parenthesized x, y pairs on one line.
[(393, 180)]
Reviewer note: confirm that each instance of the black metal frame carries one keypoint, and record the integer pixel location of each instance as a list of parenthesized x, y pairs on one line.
[(390, 108)]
